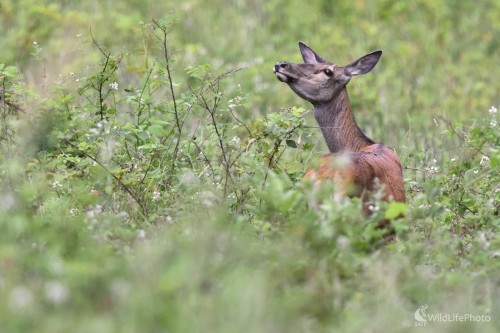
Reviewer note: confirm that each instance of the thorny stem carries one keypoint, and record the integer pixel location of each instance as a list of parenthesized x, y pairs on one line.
[(163, 39), (103, 77), (277, 145)]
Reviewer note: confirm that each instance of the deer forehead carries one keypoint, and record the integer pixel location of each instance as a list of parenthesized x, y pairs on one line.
[(311, 69)]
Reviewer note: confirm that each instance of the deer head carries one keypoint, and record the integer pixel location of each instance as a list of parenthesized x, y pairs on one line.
[(319, 81)]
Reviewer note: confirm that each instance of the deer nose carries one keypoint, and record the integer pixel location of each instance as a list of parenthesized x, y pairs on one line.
[(280, 65)]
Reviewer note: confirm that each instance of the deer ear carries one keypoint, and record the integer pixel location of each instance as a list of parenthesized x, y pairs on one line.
[(364, 64), (309, 56)]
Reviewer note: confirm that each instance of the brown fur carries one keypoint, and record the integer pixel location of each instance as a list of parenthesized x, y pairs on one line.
[(363, 167)]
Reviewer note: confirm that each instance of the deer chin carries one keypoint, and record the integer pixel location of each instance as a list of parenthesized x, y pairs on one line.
[(282, 77)]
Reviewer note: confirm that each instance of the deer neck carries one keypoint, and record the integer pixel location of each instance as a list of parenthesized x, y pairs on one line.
[(338, 125)]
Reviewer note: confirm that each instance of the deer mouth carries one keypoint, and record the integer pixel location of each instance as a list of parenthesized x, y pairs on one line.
[(282, 76)]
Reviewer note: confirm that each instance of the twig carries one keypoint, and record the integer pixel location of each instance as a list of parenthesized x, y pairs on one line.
[(166, 53), (103, 78)]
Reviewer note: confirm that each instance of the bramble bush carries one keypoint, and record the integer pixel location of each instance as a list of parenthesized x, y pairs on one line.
[(137, 196)]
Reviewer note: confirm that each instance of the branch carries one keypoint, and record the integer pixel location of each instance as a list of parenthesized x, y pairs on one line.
[(125, 187)]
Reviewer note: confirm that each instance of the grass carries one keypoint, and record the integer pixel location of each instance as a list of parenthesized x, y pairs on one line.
[(151, 169)]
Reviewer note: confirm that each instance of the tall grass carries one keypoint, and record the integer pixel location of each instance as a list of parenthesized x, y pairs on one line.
[(151, 168)]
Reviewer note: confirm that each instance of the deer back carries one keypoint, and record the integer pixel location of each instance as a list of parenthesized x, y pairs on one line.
[(358, 173)]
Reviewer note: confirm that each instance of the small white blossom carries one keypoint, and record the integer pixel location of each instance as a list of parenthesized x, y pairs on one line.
[(484, 160), (56, 184), (101, 123), (432, 170), (236, 141), (343, 242), (453, 159), (476, 171), (493, 123), (156, 195), (141, 234), (20, 298), (492, 110), (56, 292), (94, 211), (373, 208), (113, 86)]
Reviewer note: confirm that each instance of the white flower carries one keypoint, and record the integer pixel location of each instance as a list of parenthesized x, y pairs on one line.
[(493, 123), (156, 195), (56, 292), (492, 110), (476, 171), (453, 159), (141, 234), (432, 170), (56, 184), (236, 141), (113, 86), (102, 123), (20, 298), (484, 160)]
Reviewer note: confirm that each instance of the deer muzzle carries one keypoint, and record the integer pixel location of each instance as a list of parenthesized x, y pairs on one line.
[(280, 70)]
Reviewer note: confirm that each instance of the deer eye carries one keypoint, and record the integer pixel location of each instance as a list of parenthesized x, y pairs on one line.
[(328, 72)]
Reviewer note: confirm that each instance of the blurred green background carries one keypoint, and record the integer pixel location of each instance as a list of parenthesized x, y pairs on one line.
[(439, 57)]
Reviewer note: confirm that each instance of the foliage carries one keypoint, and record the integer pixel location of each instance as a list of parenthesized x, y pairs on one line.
[(151, 173)]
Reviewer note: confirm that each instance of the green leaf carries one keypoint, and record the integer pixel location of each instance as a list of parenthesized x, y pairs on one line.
[(395, 209), (142, 135), (291, 143), (156, 130), (10, 71)]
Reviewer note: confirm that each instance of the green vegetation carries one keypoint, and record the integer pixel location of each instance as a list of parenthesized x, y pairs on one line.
[(151, 168)]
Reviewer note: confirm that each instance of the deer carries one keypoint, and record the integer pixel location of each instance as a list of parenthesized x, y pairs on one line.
[(357, 165)]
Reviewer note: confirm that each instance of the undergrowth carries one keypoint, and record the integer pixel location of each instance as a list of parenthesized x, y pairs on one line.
[(136, 197)]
